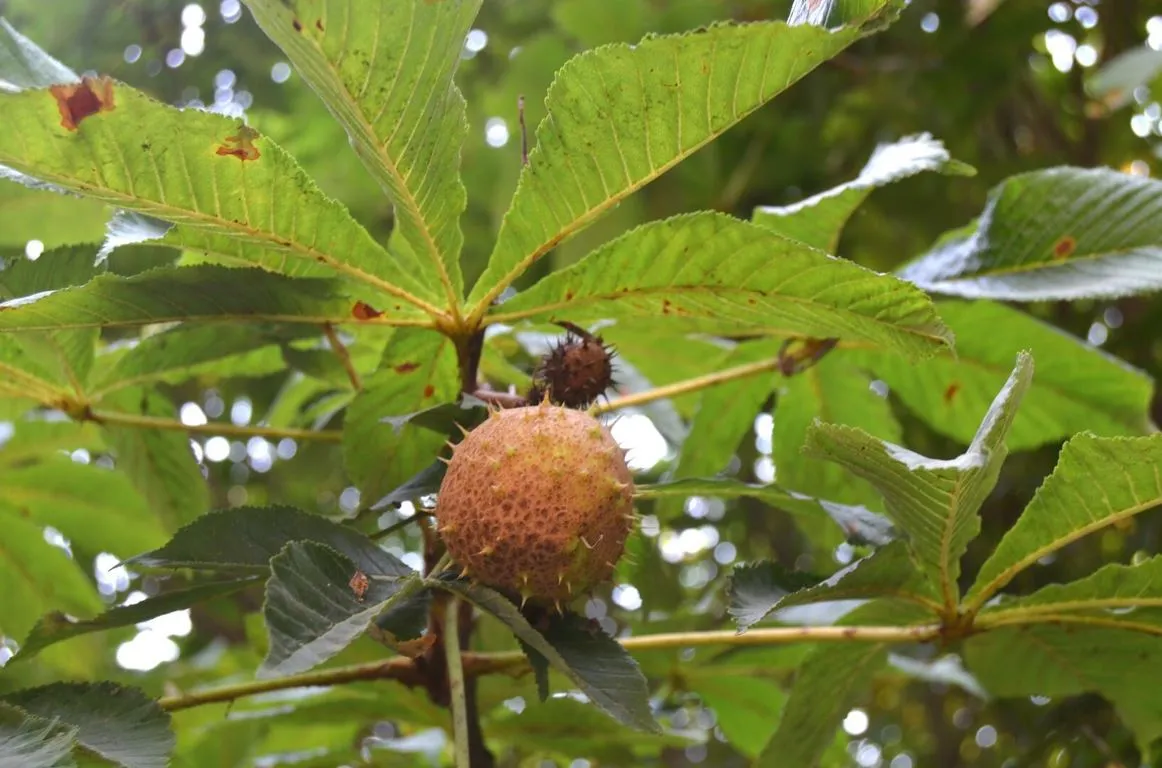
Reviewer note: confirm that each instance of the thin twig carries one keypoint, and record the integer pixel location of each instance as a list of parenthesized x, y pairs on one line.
[(344, 357), (689, 385), (456, 684), (524, 132), (515, 662), (214, 428)]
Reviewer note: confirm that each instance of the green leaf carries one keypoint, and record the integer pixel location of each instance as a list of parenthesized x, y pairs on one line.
[(819, 220), (835, 392), (184, 352), (1113, 593), (160, 463), (857, 522), (24, 65), (37, 577), (385, 70), (826, 686), (725, 414), (244, 539), (418, 371), (935, 502), (1061, 233), (95, 508), (620, 116), (733, 276), (595, 662), (170, 294), (27, 741), (313, 612), (1078, 387), (57, 627), (1114, 82), (888, 572), (1044, 660), (121, 724), (747, 709), (234, 192), (756, 588), (1097, 482)]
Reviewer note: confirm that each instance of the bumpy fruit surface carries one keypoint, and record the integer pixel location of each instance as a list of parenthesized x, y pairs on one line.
[(537, 501)]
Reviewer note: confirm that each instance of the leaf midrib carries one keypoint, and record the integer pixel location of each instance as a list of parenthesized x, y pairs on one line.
[(1045, 266), (520, 314), (407, 200)]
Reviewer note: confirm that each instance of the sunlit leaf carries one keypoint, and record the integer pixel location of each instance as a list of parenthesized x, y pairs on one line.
[(621, 115), (1097, 482), (1077, 387), (818, 221), (384, 69), (1061, 233), (229, 190), (935, 502), (120, 724), (712, 268)]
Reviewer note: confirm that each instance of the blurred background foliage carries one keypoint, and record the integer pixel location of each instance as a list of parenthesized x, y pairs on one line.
[(1008, 86)]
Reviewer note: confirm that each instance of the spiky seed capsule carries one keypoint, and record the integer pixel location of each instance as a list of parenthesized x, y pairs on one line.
[(533, 530), (574, 373)]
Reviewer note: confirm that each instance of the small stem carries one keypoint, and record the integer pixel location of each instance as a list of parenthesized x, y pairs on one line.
[(683, 387), (524, 131), (456, 684), (515, 662), (216, 428), (344, 357), (501, 399)]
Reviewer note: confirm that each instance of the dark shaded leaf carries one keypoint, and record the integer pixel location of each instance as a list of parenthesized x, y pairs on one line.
[(595, 662), (315, 607), (27, 741), (445, 418), (756, 588), (424, 482), (246, 538), (119, 723), (56, 627)]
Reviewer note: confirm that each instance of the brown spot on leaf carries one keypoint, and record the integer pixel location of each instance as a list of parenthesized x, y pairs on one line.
[(319, 25), (406, 367), (76, 101), (568, 295), (359, 584), (429, 391), (364, 311), (1064, 247), (665, 306), (950, 393), (242, 145), (298, 25)]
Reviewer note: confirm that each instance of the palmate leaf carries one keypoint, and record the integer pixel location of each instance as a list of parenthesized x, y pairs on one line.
[(714, 269), (834, 392), (935, 502), (1078, 387), (229, 190), (621, 115), (1014, 661), (819, 220), (384, 69), (1097, 482), (120, 724), (313, 612), (1062, 233), (418, 371)]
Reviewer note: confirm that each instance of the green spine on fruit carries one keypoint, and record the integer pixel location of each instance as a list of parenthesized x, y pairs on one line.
[(537, 501)]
